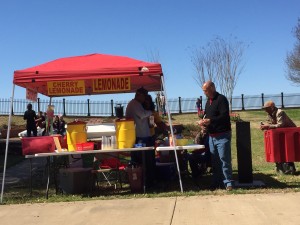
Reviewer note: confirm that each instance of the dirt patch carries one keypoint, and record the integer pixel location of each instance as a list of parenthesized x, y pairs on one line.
[(14, 131)]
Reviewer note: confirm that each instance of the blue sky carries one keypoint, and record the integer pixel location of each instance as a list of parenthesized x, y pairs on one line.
[(34, 32)]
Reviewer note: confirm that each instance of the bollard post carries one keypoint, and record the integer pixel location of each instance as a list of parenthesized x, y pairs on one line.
[(244, 157)]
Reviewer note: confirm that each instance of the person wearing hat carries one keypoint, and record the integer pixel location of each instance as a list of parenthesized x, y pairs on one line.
[(277, 118), (136, 111)]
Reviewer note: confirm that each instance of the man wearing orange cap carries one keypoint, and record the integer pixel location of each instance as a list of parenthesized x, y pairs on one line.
[(277, 118)]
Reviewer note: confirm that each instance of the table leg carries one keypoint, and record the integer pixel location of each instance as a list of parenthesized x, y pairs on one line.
[(48, 178), (55, 167)]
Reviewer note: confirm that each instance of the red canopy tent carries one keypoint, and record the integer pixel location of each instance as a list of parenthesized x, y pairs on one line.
[(89, 69), (89, 75)]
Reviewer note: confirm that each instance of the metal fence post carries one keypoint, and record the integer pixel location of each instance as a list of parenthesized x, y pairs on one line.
[(201, 108), (282, 105), (38, 103), (157, 104), (88, 107), (262, 99), (64, 106), (12, 108), (180, 111), (112, 107), (243, 106)]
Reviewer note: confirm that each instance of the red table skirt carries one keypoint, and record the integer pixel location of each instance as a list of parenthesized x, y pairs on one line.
[(282, 144), (41, 144)]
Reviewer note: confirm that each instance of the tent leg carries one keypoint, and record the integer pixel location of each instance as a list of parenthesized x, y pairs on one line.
[(7, 141), (172, 133), (30, 161)]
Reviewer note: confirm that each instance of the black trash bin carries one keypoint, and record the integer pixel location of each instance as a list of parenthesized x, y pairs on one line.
[(244, 156), (119, 111)]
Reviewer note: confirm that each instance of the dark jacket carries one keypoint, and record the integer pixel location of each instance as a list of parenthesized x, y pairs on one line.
[(217, 111), (30, 117)]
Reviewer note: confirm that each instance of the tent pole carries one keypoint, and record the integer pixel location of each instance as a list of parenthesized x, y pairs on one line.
[(172, 132), (7, 141)]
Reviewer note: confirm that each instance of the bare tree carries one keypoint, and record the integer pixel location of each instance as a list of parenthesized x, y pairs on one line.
[(293, 59), (221, 62), (205, 61), (153, 56)]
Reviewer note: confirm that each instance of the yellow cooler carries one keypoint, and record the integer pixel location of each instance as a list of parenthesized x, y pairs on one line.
[(76, 133), (125, 133)]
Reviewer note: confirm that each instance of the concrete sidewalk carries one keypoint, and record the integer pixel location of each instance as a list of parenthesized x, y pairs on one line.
[(227, 209)]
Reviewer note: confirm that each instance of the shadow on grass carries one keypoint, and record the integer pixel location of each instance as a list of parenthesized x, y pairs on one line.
[(20, 193), (261, 182), (279, 181)]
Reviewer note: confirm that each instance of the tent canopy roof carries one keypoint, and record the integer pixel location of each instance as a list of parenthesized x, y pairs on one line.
[(89, 75)]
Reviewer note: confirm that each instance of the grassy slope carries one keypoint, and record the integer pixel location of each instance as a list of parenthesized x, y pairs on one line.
[(262, 170), (257, 141), (254, 117)]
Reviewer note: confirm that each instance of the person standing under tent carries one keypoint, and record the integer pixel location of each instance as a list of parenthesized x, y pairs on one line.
[(217, 121), (56, 125), (277, 118), (49, 119), (141, 116), (30, 117), (41, 122), (198, 105), (163, 104), (200, 159), (157, 101), (62, 126), (155, 121)]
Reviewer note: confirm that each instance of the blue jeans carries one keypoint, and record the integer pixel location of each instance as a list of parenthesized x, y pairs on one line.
[(220, 148)]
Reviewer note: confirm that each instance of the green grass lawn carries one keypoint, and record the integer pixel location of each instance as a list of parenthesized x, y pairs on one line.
[(262, 171)]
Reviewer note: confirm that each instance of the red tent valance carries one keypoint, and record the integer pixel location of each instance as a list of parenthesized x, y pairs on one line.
[(89, 75)]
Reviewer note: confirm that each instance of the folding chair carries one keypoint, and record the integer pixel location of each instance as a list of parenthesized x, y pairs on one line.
[(108, 168)]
